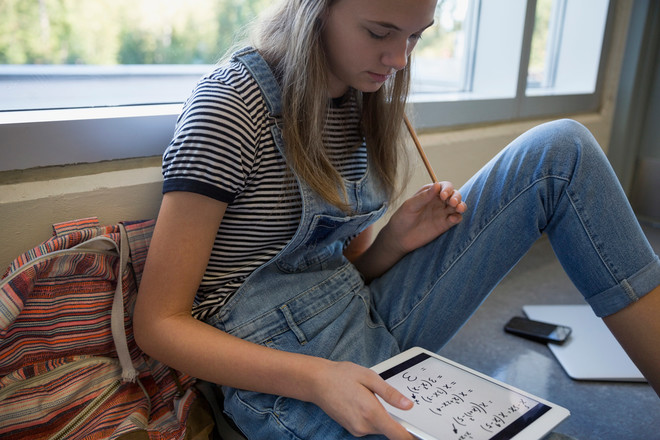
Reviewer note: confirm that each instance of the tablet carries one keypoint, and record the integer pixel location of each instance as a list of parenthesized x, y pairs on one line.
[(454, 402)]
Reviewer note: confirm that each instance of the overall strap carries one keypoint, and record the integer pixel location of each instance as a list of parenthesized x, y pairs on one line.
[(263, 74)]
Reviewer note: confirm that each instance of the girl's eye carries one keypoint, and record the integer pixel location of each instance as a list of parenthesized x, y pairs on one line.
[(416, 37), (376, 36)]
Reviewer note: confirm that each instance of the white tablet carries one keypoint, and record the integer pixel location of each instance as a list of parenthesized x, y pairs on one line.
[(455, 402)]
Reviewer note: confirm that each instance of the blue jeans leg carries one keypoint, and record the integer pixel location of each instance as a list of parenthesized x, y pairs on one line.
[(554, 179)]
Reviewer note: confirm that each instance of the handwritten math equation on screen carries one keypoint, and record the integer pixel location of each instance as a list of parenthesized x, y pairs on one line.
[(454, 404)]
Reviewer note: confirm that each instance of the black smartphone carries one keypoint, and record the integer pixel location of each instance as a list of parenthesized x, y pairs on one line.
[(537, 330)]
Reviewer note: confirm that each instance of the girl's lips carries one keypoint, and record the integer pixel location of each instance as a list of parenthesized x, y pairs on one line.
[(378, 77)]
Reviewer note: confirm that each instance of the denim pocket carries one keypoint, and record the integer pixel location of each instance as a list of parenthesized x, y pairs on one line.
[(325, 237), (319, 325)]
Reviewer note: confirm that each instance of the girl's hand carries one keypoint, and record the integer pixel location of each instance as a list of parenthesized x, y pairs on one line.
[(430, 212), (346, 392)]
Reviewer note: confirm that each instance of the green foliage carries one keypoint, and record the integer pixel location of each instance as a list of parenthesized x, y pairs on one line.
[(110, 32)]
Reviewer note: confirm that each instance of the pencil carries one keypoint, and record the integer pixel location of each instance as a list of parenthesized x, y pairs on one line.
[(427, 164)]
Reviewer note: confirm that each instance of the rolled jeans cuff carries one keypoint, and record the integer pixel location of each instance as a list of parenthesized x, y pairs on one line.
[(628, 291)]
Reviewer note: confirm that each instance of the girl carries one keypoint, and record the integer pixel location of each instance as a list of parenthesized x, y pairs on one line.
[(262, 274)]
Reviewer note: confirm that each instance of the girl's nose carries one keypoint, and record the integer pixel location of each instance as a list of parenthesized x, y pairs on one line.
[(396, 56)]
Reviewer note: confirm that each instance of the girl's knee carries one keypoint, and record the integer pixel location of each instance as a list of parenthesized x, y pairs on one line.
[(565, 139), (571, 133), (569, 126)]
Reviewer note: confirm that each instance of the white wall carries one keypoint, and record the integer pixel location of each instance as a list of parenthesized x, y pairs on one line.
[(32, 200)]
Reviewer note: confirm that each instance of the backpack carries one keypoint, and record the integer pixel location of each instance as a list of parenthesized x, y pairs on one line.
[(69, 366)]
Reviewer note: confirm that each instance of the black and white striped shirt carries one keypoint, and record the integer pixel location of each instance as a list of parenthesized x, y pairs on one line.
[(223, 148)]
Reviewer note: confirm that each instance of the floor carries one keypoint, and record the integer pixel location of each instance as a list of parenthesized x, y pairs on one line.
[(599, 410)]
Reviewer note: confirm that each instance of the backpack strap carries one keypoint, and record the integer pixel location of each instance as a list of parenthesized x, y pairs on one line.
[(129, 373)]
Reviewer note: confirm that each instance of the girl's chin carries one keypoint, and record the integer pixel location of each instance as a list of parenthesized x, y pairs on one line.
[(364, 85), (371, 88)]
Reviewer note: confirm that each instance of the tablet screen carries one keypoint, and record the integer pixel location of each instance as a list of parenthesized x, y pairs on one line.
[(452, 403)]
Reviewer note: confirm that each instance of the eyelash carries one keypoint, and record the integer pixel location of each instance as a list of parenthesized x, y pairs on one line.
[(376, 36)]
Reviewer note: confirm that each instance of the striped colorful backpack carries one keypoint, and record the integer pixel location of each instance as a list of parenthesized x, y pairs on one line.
[(69, 367)]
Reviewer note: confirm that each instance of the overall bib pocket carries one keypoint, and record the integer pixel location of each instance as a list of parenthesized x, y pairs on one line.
[(324, 239)]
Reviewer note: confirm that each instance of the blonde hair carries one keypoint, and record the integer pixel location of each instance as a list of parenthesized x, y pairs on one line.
[(289, 38)]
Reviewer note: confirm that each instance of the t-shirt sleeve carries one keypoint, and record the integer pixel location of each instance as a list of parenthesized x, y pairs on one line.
[(213, 148)]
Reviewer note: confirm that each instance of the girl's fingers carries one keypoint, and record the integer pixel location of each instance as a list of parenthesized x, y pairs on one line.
[(452, 197), (387, 425), (446, 190), (391, 395)]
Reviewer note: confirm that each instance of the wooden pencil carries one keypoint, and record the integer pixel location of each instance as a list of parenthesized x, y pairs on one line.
[(427, 164)]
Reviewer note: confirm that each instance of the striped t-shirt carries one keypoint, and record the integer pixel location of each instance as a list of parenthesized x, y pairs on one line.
[(223, 148)]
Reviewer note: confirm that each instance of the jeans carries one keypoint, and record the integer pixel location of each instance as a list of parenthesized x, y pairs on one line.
[(553, 179)]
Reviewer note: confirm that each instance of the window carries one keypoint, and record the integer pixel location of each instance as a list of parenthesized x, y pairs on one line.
[(442, 55), (122, 68), (566, 46), (524, 58), (81, 53)]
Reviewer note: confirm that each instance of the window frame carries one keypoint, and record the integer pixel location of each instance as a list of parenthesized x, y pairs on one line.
[(40, 138)]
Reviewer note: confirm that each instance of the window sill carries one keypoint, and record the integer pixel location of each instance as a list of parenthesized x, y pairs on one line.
[(79, 114), (58, 137), (39, 138)]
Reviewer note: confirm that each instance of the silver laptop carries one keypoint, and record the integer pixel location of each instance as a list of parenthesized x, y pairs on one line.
[(591, 352)]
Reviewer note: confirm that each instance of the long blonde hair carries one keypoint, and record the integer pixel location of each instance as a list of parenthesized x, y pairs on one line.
[(289, 38)]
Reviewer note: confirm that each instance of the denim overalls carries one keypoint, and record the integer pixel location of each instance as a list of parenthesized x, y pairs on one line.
[(309, 299)]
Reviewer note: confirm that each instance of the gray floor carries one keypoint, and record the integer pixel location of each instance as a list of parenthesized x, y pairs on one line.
[(599, 410)]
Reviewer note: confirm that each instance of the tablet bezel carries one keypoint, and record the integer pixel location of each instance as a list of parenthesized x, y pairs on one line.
[(535, 431)]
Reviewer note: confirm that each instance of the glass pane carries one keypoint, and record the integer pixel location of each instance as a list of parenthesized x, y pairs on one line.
[(566, 46), (72, 53), (441, 56), (537, 73), (110, 32)]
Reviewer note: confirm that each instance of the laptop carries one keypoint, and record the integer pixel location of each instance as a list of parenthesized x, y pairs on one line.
[(591, 351)]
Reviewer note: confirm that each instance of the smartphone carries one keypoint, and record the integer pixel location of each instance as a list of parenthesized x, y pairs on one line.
[(537, 330)]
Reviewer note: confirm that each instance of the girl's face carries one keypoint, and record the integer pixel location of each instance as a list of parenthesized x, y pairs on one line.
[(367, 41)]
